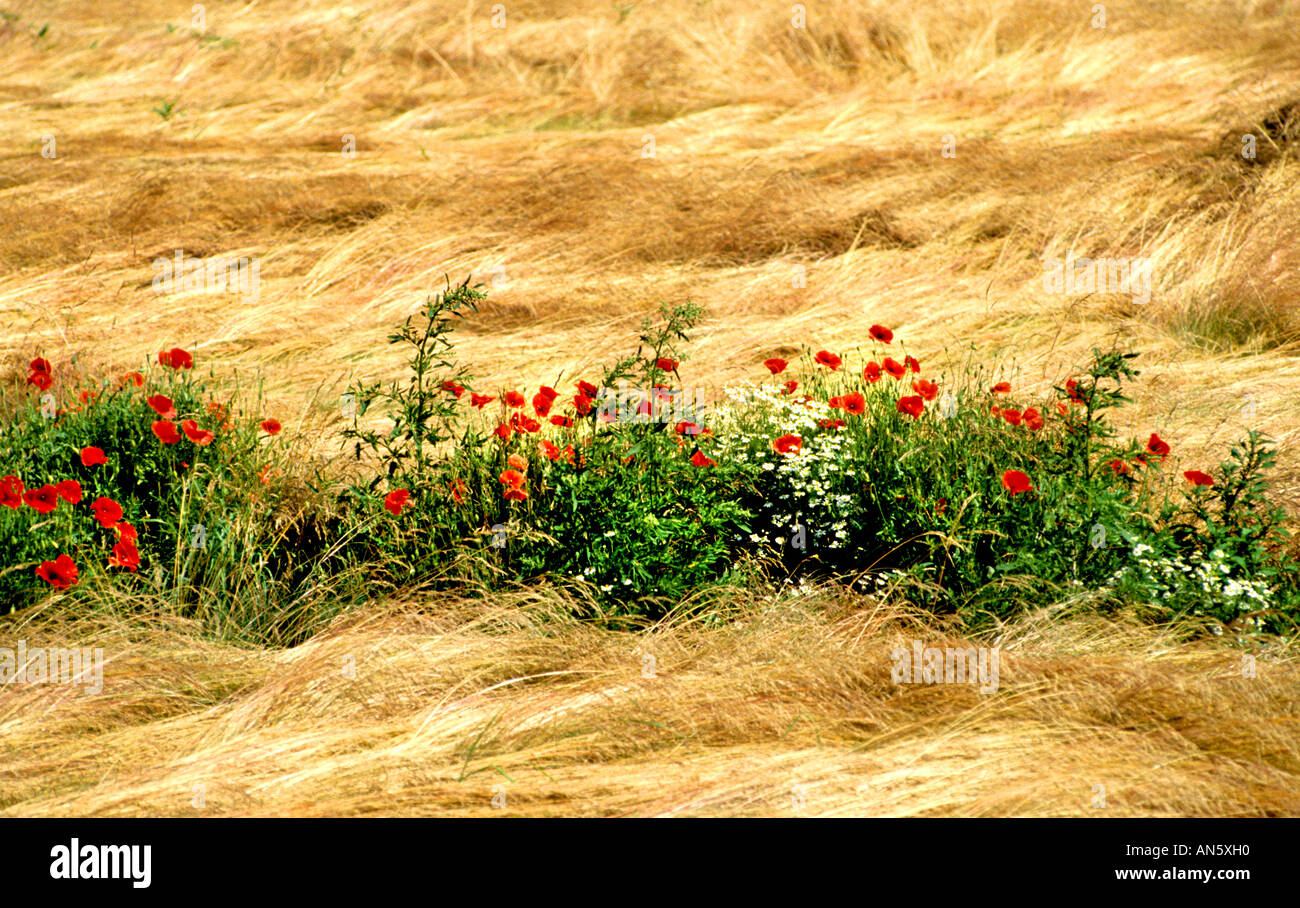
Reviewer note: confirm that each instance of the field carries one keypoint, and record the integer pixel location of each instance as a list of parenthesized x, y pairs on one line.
[(801, 180)]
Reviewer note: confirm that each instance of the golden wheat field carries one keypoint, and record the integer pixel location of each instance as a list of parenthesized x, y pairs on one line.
[(801, 171)]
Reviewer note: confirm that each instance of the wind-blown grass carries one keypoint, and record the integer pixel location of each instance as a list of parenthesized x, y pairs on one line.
[(435, 705)]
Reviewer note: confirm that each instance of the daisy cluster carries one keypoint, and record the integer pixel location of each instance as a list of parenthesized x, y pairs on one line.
[(590, 573), (1206, 577), (807, 482)]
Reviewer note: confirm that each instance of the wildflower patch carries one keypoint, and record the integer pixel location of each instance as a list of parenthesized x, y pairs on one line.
[(864, 465)]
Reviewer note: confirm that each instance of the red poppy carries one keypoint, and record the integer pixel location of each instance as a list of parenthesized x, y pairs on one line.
[(995, 410), (894, 368), (514, 399), (830, 360), (564, 422), (1119, 467), (881, 333), (541, 404), (549, 449), (668, 365), (458, 491), (452, 388), (1197, 478), (775, 365), (1012, 416), (854, 403), (521, 423), (1002, 387), (831, 423), (69, 490), (789, 387), (165, 429), (60, 573), (687, 428), (512, 477), (107, 511), (927, 389), (176, 358), (42, 380), (163, 406), (911, 405), (911, 363), (480, 400), (11, 492), (502, 431), (125, 554), (395, 500), (872, 372), (700, 460), (40, 374), (583, 403), (518, 463), (44, 499), (1033, 419), (200, 437), (548, 392), (587, 388), (271, 426), (1156, 446), (1016, 482), (125, 531), (1072, 389), (513, 480), (134, 378), (787, 444)]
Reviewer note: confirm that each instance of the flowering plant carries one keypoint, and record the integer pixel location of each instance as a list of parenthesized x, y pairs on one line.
[(862, 465), (135, 478)]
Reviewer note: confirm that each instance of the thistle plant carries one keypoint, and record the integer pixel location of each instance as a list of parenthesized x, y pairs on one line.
[(423, 409)]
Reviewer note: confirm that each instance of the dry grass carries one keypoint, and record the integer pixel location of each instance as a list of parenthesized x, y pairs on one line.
[(787, 710), (780, 154)]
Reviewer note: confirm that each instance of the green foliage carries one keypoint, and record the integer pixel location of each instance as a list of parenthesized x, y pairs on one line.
[(209, 537), (922, 499), (1219, 552), (618, 507), (972, 499), (42, 443), (165, 109), (422, 412), (636, 519), (423, 449)]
